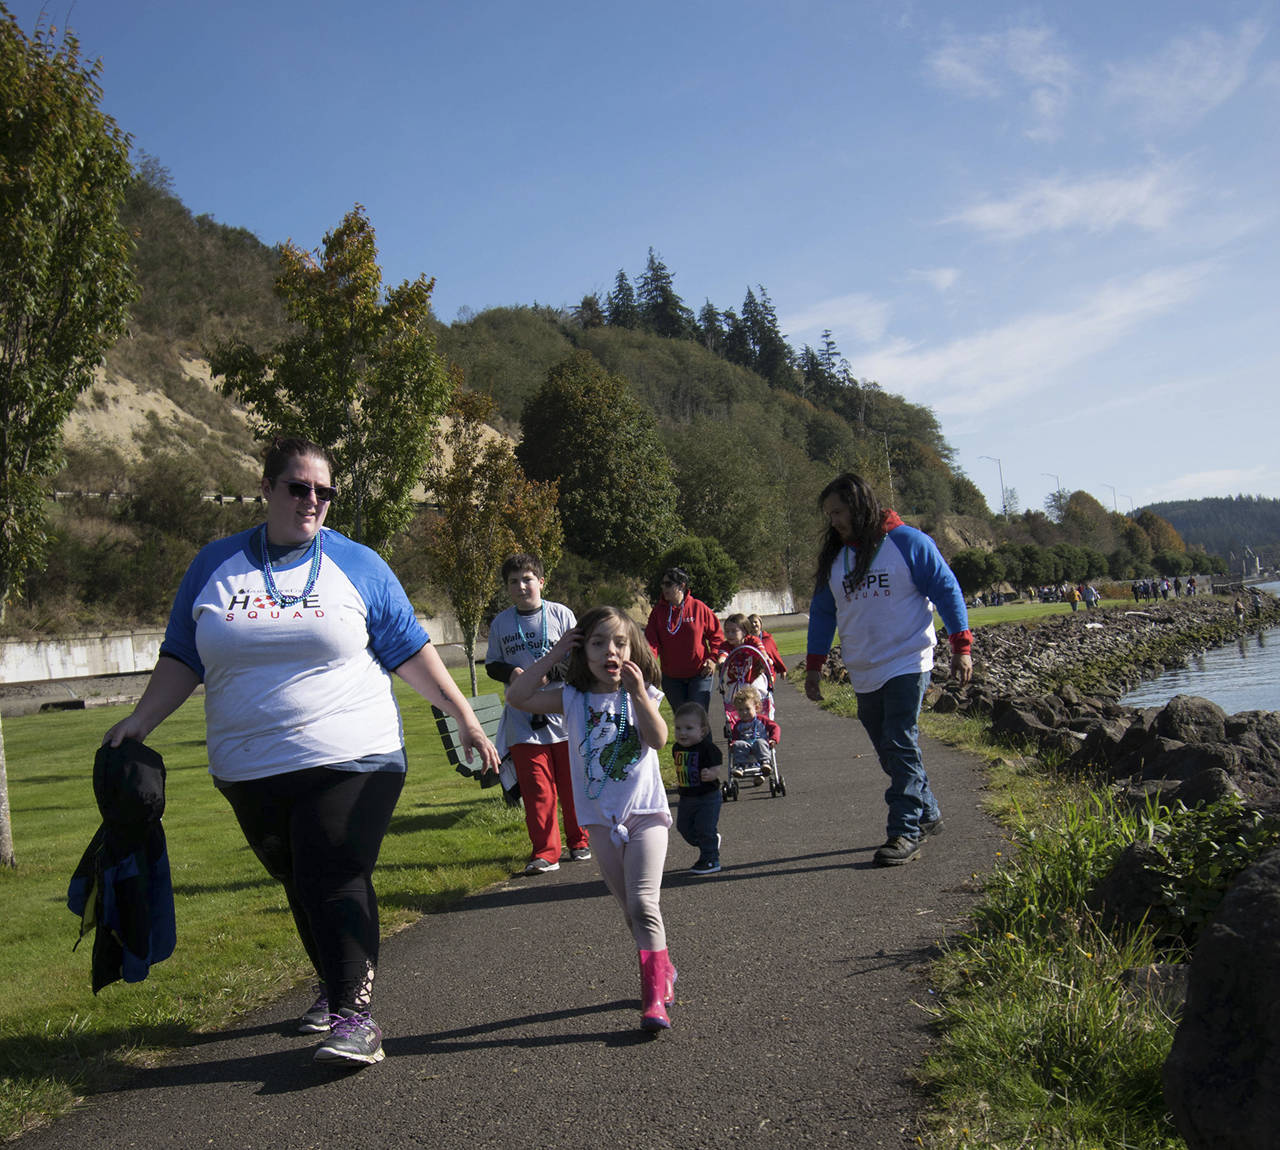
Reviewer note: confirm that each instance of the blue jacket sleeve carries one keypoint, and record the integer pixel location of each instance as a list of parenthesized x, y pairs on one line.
[(822, 625)]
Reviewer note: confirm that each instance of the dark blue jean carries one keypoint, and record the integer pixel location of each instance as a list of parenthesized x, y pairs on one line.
[(681, 691), (697, 817), (889, 716)]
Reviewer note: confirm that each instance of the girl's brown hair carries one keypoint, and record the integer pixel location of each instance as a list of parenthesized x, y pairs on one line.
[(578, 674)]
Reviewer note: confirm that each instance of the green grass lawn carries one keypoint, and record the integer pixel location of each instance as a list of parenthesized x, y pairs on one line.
[(236, 943)]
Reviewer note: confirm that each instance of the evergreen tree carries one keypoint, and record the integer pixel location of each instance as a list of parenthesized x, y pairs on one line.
[(620, 304), (737, 340), (662, 311), (773, 355), (617, 496), (589, 313), (710, 329)]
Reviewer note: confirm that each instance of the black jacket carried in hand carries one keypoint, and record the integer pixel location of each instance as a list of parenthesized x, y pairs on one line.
[(121, 890)]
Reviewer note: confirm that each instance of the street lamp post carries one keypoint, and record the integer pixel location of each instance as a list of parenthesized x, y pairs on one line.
[(1113, 498), (1004, 503)]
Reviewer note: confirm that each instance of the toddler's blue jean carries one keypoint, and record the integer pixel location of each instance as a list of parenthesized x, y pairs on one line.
[(697, 817), (889, 716)]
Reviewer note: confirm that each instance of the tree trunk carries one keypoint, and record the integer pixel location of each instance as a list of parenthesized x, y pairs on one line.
[(7, 856), (469, 646)]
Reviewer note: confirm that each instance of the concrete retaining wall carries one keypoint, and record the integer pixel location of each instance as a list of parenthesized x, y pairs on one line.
[(135, 652), (120, 653)]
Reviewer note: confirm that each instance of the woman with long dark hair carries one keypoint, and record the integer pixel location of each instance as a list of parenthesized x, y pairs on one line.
[(878, 581)]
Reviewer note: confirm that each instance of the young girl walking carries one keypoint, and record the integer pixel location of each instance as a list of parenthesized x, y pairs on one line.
[(609, 699)]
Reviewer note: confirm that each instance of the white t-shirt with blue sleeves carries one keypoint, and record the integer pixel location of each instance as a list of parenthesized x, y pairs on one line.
[(300, 686)]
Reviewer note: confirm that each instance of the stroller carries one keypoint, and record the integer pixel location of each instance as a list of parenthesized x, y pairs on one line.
[(748, 666)]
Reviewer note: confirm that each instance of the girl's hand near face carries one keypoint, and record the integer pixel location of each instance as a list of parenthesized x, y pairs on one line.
[(649, 721), (632, 679), (567, 642)]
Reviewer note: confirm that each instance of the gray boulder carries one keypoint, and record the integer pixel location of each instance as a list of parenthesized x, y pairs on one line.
[(1190, 719), (1222, 1077)]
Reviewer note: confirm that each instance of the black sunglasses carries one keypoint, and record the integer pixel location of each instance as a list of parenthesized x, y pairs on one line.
[(302, 490)]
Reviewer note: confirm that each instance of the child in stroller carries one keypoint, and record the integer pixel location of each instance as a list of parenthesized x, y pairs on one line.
[(746, 668), (752, 737), (745, 665)]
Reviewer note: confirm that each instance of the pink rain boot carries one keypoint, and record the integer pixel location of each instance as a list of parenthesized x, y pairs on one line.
[(657, 989)]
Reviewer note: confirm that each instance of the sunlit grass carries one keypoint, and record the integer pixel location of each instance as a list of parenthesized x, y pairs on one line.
[(236, 943)]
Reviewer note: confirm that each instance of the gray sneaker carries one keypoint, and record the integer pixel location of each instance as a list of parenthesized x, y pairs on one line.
[(352, 1038), (897, 851), (541, 866), (316, 1019), (580, 854)]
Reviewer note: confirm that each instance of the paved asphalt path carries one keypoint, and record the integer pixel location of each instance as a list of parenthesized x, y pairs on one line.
[(512, 1021)]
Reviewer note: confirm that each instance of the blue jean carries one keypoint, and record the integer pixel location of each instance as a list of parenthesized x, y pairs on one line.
[(697, 817), (695, 690), (889, 716)]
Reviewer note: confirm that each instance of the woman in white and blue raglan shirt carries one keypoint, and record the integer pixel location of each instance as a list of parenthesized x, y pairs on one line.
[(878, 582), (294, 631)]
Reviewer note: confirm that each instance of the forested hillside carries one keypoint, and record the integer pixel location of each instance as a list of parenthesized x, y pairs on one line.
[(747, 431), (1230, 526)]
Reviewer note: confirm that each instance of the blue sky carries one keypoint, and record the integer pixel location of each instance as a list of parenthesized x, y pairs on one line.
[(1055, 225)]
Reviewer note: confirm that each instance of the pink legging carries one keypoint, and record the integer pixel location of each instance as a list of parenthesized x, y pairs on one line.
[(632, 871)]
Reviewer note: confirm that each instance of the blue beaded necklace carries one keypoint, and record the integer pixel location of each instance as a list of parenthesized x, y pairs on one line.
[(608, 769), (280, 599), (527, 637)]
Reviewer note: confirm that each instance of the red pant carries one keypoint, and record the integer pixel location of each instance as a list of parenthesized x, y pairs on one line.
[(542, 771)]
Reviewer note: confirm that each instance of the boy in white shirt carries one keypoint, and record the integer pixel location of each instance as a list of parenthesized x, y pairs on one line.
[(518, 637)]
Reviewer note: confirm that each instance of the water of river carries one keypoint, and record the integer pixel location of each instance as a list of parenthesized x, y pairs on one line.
[(1242, 676)]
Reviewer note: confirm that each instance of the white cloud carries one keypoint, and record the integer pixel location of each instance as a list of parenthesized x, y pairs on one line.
[(940, 279), (1147, 199), (857, 313), (1024, 59), (1191, 76), (977, 373)]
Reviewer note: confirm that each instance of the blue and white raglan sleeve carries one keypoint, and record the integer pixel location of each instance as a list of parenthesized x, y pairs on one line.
[(180, 634), (395, 634), (933, 578)]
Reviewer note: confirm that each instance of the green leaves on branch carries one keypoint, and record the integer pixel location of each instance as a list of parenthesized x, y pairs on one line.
[(713, 575), (487, 510), (360, 376), (587, 430), (65, 278)]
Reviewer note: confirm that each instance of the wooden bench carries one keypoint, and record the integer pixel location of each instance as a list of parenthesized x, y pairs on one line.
[(488, 710)]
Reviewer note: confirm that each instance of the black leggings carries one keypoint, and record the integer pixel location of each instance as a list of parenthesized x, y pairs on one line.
[(318, 832)]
